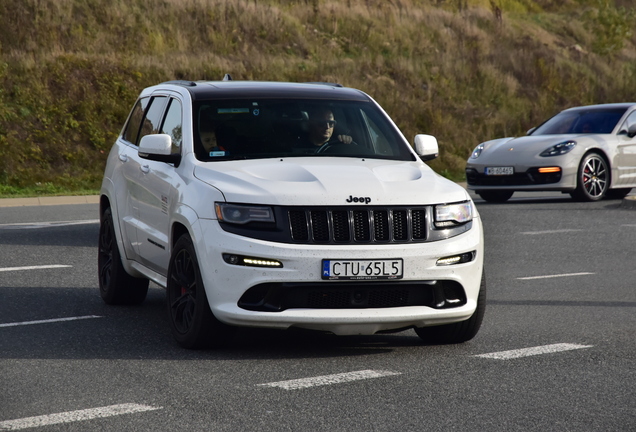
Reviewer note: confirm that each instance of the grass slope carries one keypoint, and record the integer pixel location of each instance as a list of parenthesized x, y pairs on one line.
[(462, 70)]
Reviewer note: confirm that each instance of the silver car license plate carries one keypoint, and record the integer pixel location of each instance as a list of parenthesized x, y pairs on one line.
[(508, 170), (358, 269)]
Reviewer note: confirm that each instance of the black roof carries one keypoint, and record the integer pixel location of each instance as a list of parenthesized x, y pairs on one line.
[(206, 90)]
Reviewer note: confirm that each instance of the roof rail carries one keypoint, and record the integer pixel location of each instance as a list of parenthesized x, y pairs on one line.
[(325, 83), (184, 83)]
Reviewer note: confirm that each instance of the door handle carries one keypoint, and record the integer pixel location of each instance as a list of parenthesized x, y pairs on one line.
[(123, 157), (144, 169)]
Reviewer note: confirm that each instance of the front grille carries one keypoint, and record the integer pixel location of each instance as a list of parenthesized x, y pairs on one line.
[(337, 225), (348, 225)]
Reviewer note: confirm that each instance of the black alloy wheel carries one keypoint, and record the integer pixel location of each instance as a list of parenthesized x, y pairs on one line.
[(116, 286), (193, 324), (458, 332)]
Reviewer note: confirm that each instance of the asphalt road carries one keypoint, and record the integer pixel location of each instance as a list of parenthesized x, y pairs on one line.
[(556, 351)]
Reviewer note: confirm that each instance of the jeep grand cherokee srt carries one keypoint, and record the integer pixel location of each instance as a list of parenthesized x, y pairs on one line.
[(218, 192)]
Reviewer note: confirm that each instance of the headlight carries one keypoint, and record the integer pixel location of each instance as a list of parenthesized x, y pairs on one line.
[(477, 151), (449, 215), (242, 214), (559, 149)]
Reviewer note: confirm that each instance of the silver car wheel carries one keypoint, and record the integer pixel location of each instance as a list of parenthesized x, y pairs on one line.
[(593, 178)]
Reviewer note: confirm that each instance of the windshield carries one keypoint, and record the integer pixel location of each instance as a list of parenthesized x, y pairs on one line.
[(253, 129), (594, 121)]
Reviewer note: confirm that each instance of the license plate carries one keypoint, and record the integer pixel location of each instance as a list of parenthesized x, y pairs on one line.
[(500, 170), (362, 269)]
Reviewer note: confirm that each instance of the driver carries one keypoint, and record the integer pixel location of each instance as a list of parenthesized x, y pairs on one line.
[(321, 125)]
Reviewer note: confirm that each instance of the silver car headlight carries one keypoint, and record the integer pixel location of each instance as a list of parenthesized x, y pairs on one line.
[(242, 214), (449, 215), (477, 151), (559, 149)]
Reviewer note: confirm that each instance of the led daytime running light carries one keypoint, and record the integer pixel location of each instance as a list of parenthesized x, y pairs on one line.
[(457, 259), (251, 261)]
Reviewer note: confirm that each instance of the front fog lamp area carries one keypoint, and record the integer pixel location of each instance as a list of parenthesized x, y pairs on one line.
[(549, 170), (242, 214), (241, 260), (450, 215), (457, 259)]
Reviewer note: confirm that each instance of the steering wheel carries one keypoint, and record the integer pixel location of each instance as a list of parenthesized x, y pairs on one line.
[(333, 144)]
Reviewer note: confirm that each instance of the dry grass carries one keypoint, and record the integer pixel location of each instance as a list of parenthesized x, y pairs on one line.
[(463, 70)]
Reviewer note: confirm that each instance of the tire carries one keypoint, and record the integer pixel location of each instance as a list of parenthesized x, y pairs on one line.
[(592, 178), (115, 285), (495, 196), (458, 332), (191, 320)]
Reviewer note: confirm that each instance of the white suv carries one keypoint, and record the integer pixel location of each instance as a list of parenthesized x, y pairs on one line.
[(282, 205)]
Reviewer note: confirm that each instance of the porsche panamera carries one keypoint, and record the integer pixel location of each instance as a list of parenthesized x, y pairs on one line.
[(588, 152)]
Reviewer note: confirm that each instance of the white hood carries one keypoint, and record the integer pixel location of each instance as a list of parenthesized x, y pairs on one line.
[(329, 181)]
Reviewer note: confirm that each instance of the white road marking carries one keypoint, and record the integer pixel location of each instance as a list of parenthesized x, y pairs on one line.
[(526, 352), (35, 225), (555, 276), (41, 267), (329, 379), (74, 416), (49, 321), (550, 231)]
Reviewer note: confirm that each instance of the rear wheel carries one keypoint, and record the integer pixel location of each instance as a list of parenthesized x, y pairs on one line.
[(192, 322), (461, 331), (592, 179), (115, 285), (497, 196)]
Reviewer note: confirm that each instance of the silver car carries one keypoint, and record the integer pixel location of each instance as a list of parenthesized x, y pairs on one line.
[(588, 152)]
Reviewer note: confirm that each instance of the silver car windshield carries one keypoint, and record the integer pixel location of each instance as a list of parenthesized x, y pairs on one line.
[(592, 121), (273, 128)]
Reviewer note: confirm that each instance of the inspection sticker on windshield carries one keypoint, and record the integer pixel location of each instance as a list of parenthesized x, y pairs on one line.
[(362, 269), (500, 170)]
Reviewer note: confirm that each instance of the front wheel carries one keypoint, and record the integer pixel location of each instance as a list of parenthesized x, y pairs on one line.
[(460, 331), (592, 179), (115, 285), (192, 322)]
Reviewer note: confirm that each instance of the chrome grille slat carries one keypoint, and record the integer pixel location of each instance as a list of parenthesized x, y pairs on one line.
[(358, 225)]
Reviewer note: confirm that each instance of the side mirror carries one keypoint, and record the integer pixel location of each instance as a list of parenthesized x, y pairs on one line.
[(531, 130), (158, 147), (631, 131), (426, 147)]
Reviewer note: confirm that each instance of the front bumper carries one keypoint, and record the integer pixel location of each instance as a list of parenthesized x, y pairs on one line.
[(525, 177), (226, 284)]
